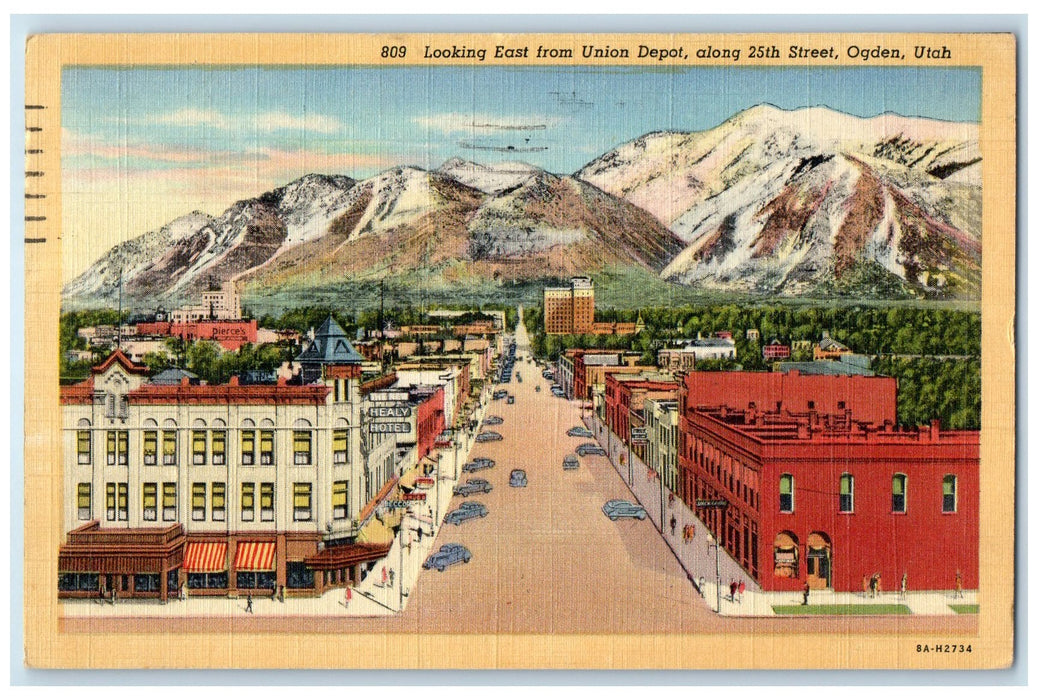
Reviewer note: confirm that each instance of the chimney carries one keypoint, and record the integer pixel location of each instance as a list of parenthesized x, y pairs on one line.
[(935, 429), (234, 380), (185, 381)]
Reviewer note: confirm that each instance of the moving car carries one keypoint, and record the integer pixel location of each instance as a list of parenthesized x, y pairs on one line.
[(490, 436), (472, 486), (579, 431), (517, 478), (618, 508), (500, 394), (590, 448), (570, 462), (511, 399), (466, 511), (498, 420), (447, 555), (478, 464)]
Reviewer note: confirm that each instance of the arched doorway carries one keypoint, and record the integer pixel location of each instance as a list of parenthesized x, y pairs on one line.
[(787, 555), (819, 560)]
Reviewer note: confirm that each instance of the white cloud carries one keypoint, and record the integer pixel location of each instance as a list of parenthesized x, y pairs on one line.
[(264, 122)]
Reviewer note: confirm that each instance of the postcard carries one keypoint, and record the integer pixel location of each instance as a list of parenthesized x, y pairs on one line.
[(499, 351)]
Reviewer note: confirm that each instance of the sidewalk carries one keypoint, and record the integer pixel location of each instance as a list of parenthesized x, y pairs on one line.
[(699, 560), (370, 598)]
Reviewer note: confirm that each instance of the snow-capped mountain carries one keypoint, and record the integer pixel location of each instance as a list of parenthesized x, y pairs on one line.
[(770, 201), (782, 201)]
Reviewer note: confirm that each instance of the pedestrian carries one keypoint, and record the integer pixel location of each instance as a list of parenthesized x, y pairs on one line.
[(807, 592), (347, 597), (273, 592), (864, 585), (742, 589), (101, 595), (281, 593), (958, 584), (904, 585), (392, 575), (879, 584), (248, 603), (419, 535), (732, 587), (385, 576), (673, 524), (872, 586)]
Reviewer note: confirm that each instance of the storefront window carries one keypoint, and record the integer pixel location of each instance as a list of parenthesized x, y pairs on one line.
[(298, 575), (77, 581), (146, 583), (211, 580), (257, 579), (173, 581)]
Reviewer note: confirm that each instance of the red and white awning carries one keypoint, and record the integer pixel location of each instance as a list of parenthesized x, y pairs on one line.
[(205, 557), (254, 556)]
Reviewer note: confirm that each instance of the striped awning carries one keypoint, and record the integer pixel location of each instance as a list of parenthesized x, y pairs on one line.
[(205, 557), (254, 556)]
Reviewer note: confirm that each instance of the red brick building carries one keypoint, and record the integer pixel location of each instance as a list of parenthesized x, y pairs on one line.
[(429, 417), (776, 350), (821, 485), (626, 395), (231, 335)]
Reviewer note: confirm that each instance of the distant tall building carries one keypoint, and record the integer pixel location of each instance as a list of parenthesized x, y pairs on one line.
[(570, 309)]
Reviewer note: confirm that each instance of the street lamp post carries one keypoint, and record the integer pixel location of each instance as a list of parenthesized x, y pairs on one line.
[(712, 542)]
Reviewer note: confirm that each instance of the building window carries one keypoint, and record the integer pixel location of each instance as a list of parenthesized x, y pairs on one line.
[(298, 575), (248, 447), (219, 447), (846, 493), (70, 581), (197, 447), (151, 447), (301, 441), (266, 440), (301, 501), (83, 446), (219, 501), (150, 500), (169, 500), (786, 493), (265, 580), (198, 501), (267, 502), (898, 493), (339, 500), (117, 443), (950, 502), (340, 446), (145, 583), (211, 580), (83, 504), (248, 502), (169, 447), (116, 501)]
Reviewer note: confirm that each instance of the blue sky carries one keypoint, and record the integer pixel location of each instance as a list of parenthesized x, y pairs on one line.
[(142, 146)]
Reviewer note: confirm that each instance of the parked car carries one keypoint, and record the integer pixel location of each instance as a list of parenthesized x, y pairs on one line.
[(478, 464), (579, 431), (570, 462), (466, 511), (472, 486), (590, 448), (618, 508), (498, 420), (447, 555), (500, 394), (517, 478), (490, 436)]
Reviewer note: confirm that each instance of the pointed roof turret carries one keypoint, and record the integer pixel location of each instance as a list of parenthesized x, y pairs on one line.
[(330, 347)]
